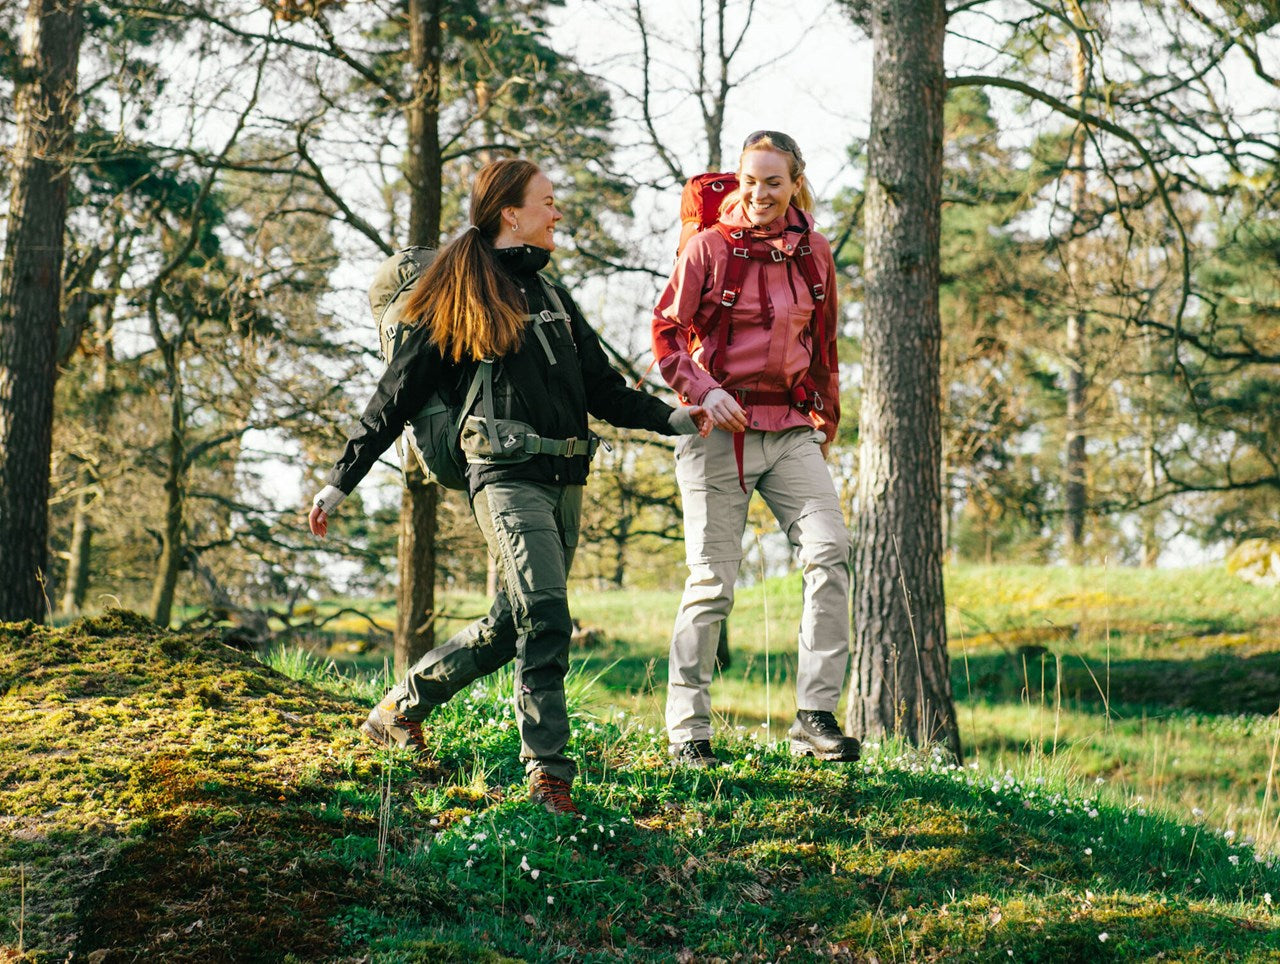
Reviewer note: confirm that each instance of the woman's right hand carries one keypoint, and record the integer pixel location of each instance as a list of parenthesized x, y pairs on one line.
[(725, 411), (319, 520)]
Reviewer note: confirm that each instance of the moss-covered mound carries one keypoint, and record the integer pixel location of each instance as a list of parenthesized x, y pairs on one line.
[(165, 797)]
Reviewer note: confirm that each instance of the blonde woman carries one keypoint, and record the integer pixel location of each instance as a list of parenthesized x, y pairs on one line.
[(746, 328)]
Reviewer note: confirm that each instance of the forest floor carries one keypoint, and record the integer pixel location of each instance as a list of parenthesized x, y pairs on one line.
[(166, 797)]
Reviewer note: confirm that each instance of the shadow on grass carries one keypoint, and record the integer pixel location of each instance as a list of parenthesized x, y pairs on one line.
[(1221, 683)]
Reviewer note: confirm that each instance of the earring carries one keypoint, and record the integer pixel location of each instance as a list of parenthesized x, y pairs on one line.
[(515, 225)]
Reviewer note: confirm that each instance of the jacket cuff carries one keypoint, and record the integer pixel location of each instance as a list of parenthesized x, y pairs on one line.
[(329, 498), (682, 423)]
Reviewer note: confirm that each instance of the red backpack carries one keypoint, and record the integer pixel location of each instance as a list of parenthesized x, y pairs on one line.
[(700, 205)]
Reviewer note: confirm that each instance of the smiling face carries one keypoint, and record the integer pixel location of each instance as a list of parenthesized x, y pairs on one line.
[(765, 185), (534, 221)]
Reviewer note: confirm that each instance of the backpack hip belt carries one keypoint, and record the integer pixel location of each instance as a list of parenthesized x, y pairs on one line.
[(802, 398)]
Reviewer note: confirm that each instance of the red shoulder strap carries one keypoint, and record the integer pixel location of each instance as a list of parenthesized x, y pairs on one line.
[(808, 266)]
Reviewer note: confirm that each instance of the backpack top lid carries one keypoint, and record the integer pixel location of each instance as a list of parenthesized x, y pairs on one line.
[(701, 200), (392, 282)]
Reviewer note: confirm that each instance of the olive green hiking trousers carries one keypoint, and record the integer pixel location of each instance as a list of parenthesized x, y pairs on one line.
[(532, 531)]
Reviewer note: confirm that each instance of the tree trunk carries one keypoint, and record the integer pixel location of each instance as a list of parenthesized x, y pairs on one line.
[(30, 295), (415, 601), (77, 581), (172, 541), (1077, 465), (901, 681)]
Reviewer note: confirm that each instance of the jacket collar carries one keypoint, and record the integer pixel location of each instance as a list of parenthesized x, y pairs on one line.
[(523, 259), (795, 219)]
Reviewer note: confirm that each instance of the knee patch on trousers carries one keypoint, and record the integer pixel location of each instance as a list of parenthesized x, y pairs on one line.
[(822, 539)]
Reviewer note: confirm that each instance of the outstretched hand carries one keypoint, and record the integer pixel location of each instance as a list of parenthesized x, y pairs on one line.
[(725, 411), (319, 521), (702, 418)]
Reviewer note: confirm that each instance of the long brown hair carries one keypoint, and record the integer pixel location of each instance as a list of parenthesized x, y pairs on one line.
[(472, 308), (783, 144)]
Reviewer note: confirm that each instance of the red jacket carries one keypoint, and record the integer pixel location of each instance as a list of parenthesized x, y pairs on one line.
[(759, 344)]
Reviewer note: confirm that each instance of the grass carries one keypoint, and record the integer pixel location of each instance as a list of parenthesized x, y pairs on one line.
[(166, 797)]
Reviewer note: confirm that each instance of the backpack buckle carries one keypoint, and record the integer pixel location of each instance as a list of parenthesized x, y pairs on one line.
[(546, 316), (741, 253), (819, 291), (776, 255), (727, 298), (736, 234), (803, 250)]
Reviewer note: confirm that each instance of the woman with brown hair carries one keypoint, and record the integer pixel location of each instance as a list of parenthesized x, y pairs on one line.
[(746, 328), (482, 300)]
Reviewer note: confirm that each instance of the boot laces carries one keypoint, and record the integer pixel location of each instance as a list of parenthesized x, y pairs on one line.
[(825, 723), (414, 729), (553, 794)]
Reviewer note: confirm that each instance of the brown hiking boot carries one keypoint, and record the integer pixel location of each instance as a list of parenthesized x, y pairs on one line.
[(553, 794), (389, 728)]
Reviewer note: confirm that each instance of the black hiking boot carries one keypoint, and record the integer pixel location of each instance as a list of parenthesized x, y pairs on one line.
[(815, 733), (695, 753), (553, 794), (389, 728)]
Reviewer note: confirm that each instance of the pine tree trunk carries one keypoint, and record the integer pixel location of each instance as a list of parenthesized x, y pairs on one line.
[(1077, 467), (30, 296), (77, 581), (172, 539), (901, 674), (415, 602)]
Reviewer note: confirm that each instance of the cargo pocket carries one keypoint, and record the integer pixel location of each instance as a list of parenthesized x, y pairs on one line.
[(533, 553)]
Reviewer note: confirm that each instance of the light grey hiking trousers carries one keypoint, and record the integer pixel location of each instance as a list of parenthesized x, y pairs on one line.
[(532, 530), (788, 470)]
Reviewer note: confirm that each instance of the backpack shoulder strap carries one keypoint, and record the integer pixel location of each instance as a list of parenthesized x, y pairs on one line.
[(548, 317), (808, 266), (482, 387)]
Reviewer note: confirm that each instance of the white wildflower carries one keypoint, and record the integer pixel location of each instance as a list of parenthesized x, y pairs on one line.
[(1103, 937), (524, 863)]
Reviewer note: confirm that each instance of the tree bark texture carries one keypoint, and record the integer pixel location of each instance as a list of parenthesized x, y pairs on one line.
[(901, 681), (30, 296), (1077, 460), (415, 602), (172, 538), (78, 553)]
